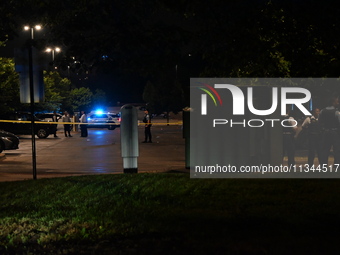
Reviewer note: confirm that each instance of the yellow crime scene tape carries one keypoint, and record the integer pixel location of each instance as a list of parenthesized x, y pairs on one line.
[(79, 123)]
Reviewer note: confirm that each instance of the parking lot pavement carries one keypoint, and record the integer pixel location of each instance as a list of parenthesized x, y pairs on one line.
[(165, 154)]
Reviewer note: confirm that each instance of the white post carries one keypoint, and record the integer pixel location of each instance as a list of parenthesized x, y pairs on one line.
[(129, 138)]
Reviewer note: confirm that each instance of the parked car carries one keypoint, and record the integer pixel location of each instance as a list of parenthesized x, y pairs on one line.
[(48, 116), (8, 141), (42, 129), (101, 120)]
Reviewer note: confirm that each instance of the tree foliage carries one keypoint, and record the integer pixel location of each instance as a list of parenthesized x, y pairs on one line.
[(57, 93), (81, 98), (99, 99), (165, 94), (9, 86)]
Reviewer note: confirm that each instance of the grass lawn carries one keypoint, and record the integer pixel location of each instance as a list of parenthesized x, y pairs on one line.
[(169, 214)]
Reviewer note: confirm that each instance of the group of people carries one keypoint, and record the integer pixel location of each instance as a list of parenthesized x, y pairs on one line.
[(323, 133), (83, 126), (67, 126)]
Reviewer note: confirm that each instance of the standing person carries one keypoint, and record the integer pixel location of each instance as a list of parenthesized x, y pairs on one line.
[(329, 120), (67, 127), (83, 127), (147, 131), (55, 119), (312, 125), (289, 137)]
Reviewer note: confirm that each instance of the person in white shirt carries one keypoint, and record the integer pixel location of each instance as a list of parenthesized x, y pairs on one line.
[(83, 127)]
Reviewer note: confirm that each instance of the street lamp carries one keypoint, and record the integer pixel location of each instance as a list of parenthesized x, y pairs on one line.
[(36, 27), (30, 69), (53, 50)]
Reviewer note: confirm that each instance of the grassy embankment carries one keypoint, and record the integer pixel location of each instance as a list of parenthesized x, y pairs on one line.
[(168, 214)]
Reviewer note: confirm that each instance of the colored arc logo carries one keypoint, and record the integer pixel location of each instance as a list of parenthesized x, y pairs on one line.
[(211, 92)]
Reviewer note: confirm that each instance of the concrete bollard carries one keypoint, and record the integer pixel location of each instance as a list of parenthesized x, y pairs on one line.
[(129, 138)]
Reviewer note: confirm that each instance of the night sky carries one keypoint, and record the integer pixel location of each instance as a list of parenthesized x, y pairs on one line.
[(121, 45)]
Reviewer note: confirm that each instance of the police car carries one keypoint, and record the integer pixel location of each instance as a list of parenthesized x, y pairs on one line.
[(99, 119)]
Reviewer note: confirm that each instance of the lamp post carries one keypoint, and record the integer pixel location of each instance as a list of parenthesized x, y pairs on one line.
[(53, 51), (30, 70), (36, 27)]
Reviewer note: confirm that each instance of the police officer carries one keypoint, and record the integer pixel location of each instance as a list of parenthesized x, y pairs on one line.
[(311, 124), (329, 120), (289, 137), (147, 131), (83, 127)]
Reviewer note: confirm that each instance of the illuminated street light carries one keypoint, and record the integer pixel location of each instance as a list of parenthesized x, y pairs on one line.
[(36, 27), (56, 49), (30, 68)]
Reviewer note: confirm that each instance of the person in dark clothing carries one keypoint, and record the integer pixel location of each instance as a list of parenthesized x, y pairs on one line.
[(329, 120), (55, 119), (312, 125), (147, 131), (289, 137)]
